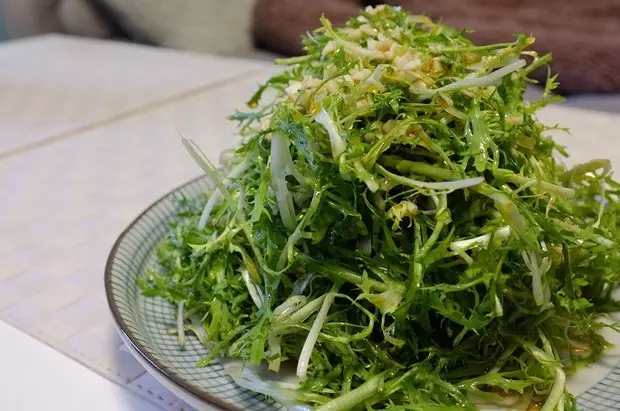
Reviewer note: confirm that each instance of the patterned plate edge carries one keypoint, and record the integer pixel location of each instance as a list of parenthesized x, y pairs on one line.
[(591, 397), (123, 328)]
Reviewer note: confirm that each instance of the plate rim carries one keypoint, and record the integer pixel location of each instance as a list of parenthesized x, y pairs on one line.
[(166, 372), (122, 326)]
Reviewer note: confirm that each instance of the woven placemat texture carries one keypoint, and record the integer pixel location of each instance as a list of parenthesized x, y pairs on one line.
[(63, 206), (57, 86)]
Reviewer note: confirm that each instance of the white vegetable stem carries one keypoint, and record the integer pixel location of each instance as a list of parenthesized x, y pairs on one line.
[(297, 234), (555, 399), (444, 185), (374, 80), (217, 195), (480, 241), (481, 81), (180, 325), (574, 229), (255, 292), (289, 306), (281, 166), (368, 178), (354, 397), (499, 310), (547, 187), (207, 166), (275, 351), (337, 142), (301, 286), (538, 267), (254, 379), (313, 335)]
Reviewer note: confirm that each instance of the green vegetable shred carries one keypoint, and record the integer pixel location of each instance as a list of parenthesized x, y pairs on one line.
[(396, 230)]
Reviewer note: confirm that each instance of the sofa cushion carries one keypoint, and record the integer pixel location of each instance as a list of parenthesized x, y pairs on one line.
[(32, 17), (198, 25)]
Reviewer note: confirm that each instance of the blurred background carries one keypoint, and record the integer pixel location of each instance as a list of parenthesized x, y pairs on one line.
[(584, 37), (2, 34)]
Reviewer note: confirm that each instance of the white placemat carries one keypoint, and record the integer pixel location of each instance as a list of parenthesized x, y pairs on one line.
[(55, 86), (64, 204), (35, 377)]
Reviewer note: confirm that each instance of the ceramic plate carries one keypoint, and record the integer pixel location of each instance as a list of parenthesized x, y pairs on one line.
[(142, 323)]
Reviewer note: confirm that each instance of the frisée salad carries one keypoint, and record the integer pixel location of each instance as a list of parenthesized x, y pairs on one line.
[(396, 230)]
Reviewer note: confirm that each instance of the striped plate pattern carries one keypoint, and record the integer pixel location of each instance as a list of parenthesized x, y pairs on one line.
[(142, 322)]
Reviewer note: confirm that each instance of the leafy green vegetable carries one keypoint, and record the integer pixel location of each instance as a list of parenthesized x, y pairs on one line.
[(396, 225)]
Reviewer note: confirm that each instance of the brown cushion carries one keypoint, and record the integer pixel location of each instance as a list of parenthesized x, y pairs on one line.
[(583, 36)]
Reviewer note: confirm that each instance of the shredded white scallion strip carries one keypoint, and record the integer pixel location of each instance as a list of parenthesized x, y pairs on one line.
[(602, 204), (555, 399), (198, 329), (443, 185), (480, 241), (338, 144), (226, 157), (217, 195), (289, 306), (301, 287), (180, 324), (481, 81), (499, 310), (255, 292), (368, 178), (255, 379), (206, 211), (297, 233), (574, 229), (281, 164), (538, 268), (275, 351), (374, 80), (313, 335)]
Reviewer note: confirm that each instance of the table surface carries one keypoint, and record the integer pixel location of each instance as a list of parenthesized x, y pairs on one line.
[(37, 377), (78, 96), (85, 119)]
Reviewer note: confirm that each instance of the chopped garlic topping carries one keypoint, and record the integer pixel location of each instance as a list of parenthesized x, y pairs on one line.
[(374, 10), (407, 62), (293, 89)]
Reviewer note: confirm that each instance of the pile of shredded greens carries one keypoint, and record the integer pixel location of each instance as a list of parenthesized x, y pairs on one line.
[(394, 225)]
